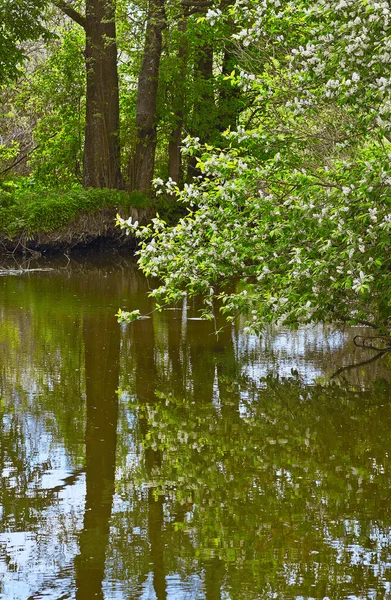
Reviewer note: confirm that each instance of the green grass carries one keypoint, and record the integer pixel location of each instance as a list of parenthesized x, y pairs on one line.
[(31, 211)]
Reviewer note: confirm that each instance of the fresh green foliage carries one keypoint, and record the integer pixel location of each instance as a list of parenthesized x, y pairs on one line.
[(290, 222), (56, 91), (20, 21), (31, 211), (286, 206), (124, 316)]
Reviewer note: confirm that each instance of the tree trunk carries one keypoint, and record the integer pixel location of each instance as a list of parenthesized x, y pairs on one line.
[(230, 103), (101, 163), (101, 147), (142, 159), (174, 145), (204, 109)]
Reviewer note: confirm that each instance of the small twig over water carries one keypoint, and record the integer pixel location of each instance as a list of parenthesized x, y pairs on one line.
[(360, 364)]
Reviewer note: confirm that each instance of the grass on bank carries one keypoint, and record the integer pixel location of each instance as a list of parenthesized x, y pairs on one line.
[(28, 212)]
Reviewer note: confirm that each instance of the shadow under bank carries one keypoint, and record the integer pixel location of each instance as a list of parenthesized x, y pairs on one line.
[(87, 232)]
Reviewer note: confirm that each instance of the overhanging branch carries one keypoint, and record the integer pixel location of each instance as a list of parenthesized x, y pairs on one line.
[(70, 12)]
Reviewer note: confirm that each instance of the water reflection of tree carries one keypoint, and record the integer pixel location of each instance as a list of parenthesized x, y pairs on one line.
[(101, 347), (256, 487), (265, 487), (59, 341), (146, 379)]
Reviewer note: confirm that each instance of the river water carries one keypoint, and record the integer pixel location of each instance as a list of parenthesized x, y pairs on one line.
[(158, 461)]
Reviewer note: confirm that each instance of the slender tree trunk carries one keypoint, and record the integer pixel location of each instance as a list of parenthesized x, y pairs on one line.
[(204, 109), (142, 159), (101, 164), (101, 146), (230, 102), (174, 145)]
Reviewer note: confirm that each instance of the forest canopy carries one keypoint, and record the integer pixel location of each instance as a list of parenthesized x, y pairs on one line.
[(266, 124)]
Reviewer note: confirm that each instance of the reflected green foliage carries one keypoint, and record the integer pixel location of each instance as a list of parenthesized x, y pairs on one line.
[(280, 494), (206, 477), (273, 486)]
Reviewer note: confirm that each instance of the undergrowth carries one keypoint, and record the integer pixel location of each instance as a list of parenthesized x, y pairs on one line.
[(30, 211)]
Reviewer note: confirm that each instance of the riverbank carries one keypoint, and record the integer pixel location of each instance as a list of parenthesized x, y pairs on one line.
[(47, 221)]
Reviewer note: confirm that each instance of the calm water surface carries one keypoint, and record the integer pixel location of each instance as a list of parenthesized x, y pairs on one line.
[(157, 461)]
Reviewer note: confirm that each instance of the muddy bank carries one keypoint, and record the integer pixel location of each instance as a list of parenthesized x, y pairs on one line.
[(86, 230)]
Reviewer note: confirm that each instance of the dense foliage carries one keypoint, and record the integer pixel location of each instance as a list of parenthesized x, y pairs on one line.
[(269, 120), (296, 207), (20, 21)]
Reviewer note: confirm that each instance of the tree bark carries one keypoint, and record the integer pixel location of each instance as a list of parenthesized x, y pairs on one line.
[(101, 147), (204, 109), (174, 145), (101, 163), (205, 106), (142, 159), (230, 102)]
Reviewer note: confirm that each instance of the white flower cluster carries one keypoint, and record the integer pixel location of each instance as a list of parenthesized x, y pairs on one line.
[(213, 15), (297, 207)]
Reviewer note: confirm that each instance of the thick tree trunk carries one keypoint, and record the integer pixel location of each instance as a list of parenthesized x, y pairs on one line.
[(142, 159), (174, 145), (101, 164), (101, 146)]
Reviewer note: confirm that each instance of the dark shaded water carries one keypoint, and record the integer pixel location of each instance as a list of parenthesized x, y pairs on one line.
[(156, 461)]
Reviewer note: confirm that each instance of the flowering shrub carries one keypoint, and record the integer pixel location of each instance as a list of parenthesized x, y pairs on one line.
[(297, 209)]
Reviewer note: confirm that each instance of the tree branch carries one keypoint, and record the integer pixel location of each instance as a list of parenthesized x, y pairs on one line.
[(19, 160), (359, 364), (70, 12)]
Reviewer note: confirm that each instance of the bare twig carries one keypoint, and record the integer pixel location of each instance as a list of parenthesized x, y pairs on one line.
[(19, 160), (360, 364)]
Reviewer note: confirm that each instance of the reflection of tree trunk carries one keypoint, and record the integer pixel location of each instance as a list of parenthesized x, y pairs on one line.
[(176, 373), (227, 374), (200, 339), (142, 160), (145, 390), (102, 343), (155, 534), (174, 145), (214, 577)]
